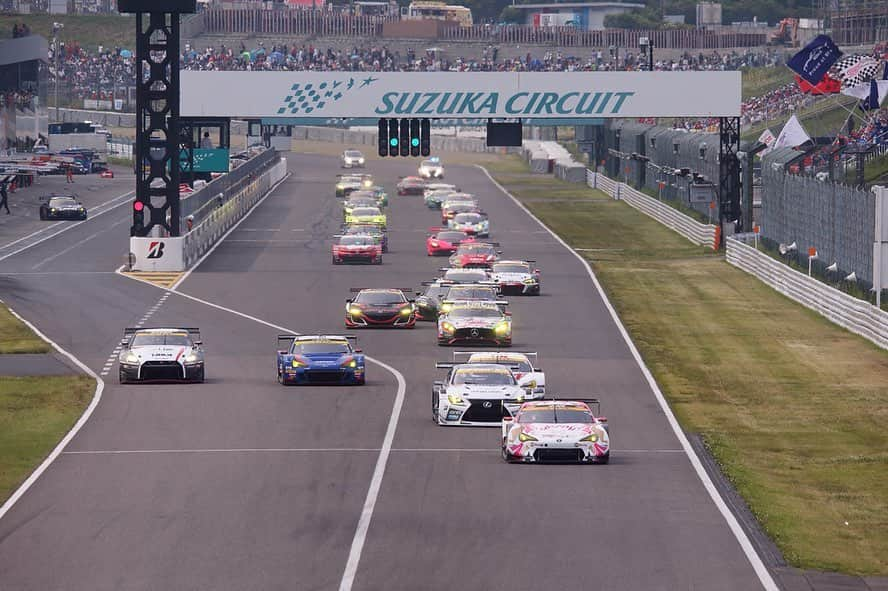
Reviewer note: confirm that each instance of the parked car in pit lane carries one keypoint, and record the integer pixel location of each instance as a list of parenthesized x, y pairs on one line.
[(529, 376), (431, 168), (61, 207), (411, 185), (475, 255), (161, 354), (379, 307), (319, 359), (346, 183), (352, 159), (476, 394), (472, 223), (556, 431), (378, 233), (357, 248), (475, 323), (442, 241), (516, 277), (366, 215)]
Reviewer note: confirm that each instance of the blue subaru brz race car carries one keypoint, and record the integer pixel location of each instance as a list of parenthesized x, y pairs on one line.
[(319, 359)]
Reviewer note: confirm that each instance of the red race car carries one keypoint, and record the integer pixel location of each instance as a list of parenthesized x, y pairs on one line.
[(379, 307), (106, 174), (411, 185), (442, 241), (356, 249), (475, 255)]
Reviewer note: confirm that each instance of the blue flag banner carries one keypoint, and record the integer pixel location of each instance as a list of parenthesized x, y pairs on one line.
[(815, 59)]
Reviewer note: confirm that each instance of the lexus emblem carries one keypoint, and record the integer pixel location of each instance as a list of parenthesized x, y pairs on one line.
[(487, 404), (475, 332)]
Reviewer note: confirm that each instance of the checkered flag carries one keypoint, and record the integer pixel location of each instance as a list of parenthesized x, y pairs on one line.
[(854, 70)]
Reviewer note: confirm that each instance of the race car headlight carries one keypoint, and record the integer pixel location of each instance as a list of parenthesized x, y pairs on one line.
[(529, 280), (131, 358), (592, 437), (434, 243), (445, 308), (297, 363), (360, 161), (531, 385), (350, 363), (191, 358), (406, 311), (502, 328), (525, 437), (447, 327), (454, 399), (340, 186), (354, 311)]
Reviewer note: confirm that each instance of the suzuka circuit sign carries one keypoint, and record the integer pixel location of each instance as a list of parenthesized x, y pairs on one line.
[(325, 95)]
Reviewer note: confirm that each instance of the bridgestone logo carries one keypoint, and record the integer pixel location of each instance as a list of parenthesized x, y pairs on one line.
[(155, 250)]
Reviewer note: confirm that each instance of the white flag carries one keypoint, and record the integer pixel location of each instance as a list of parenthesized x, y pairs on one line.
[(768, 139), (792, 135), (862, 91)]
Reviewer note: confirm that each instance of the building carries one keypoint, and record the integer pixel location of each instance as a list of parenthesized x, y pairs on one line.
[(22, 87), (587, 16)]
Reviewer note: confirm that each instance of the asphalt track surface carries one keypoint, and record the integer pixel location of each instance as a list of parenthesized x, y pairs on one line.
[(240, 483)]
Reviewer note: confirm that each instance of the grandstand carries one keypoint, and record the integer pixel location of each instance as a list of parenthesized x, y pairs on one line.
[(22, 88)]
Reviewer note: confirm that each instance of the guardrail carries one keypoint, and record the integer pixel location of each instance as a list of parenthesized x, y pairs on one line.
[(847, 311), (696, 232)]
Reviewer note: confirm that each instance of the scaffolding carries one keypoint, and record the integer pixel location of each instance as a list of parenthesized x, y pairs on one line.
[(855, 22)]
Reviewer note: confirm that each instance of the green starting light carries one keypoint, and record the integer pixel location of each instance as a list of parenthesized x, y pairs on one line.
[(414, 142), (393, 141)]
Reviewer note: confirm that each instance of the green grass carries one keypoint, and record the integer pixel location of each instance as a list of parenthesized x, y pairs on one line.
[(874, 170), (35, 412), (15, 337), (823, 118), (759, 81), (89, 31), (792, 407)]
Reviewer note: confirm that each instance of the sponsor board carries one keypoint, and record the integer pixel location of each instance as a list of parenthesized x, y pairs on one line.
[(153, 253), (346, 122), (546, 95)]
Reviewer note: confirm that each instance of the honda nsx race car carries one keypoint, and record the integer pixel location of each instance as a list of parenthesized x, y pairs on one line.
[(475, 323), (556, 431), (357, 249), (366, 215), (476, 394), (516, 277), (161, 354), (319, 359), (531, 378), (377, 233), (475, 255), (379, 307), (442, 241), (431, 168), (472, 223), (411, 185)]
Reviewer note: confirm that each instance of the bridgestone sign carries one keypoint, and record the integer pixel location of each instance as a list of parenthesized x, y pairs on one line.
[(326, 95)]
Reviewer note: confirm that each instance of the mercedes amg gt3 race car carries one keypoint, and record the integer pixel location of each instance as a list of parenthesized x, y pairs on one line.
[(476, 394), (474, 255), (358, 248), (431, 168), (411, 185), (161, 354), (556, 431), (472, 223), (530, 377), (319, 359), (61, 207), (475, 323), (516, 277), (442, 241), (379, 307)]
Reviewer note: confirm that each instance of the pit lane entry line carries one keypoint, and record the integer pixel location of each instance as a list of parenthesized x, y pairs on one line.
[(754, 559)]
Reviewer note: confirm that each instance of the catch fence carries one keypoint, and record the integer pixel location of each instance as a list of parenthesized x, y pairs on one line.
[(292, 22)]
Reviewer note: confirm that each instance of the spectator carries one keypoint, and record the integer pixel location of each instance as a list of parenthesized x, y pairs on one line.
[(206, 143), (3, 197)]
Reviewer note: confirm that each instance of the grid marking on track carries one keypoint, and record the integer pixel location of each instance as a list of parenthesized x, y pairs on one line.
[(109, 363)]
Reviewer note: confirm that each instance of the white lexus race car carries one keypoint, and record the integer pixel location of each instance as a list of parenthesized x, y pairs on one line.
[(476, 394), (161, 354), (431, 168), (556, 431), (516, 277), (530, 377)]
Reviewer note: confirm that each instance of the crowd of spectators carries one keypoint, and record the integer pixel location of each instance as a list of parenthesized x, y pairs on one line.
[(786, 99), (92, 75)]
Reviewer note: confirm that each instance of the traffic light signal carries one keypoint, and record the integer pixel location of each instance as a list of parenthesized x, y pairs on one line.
[(138, 228), (393, 137), (414, 137), (405, 137), (383, 137), (425, 137)]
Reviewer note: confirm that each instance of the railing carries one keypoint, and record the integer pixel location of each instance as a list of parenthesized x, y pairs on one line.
[(840, 308), (696, 232), (255, 21)]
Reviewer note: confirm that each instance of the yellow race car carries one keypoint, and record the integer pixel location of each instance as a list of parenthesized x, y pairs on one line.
[(366, 215)]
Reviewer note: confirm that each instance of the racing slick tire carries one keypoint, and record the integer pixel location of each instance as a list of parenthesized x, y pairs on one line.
[(377, 261), (335, 262), (42, 215), (122, 377), (507, 457), (435, 402), (202, 376), (361, 381), (605, 459)]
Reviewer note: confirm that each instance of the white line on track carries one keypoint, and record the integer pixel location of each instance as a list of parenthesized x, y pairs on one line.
[(237, 450), (58, 449), (754, 559), (360, 537), (70, 226), (49, 273)]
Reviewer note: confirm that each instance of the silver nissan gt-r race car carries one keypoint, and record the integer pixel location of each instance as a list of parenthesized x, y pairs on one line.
[(161, 354), (476, 394), (556, 431)]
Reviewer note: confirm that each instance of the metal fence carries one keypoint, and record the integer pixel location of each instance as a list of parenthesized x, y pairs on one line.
[(836, 219), (256, 21)]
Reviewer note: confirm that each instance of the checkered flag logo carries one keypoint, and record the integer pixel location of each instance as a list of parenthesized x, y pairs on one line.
[(309, 98), (854, 70)]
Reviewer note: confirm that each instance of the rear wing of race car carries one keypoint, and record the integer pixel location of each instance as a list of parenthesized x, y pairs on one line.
[(497, 302), (593, 403), (532, 356), (435, 229), (129, 332), (451, 364)]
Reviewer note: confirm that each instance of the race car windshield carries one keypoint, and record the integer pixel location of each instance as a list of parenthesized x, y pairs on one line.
[(365, 230), (468, 218), (474, 248), (430, 164), (61, 202), (463, 293), (483, 377), (366, 211), (353, 154), (522, 365), (475, 313), (356, 241), (380, 298), (510, 268), (361, 202), (465, 276), (318, 348), (155, 340), (553, 415), (451, 236)]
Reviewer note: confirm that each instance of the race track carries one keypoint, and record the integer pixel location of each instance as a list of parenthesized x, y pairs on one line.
[(240, 483)]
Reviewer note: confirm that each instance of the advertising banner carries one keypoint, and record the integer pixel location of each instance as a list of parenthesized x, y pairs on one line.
[(157, 254), (460, 95)]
